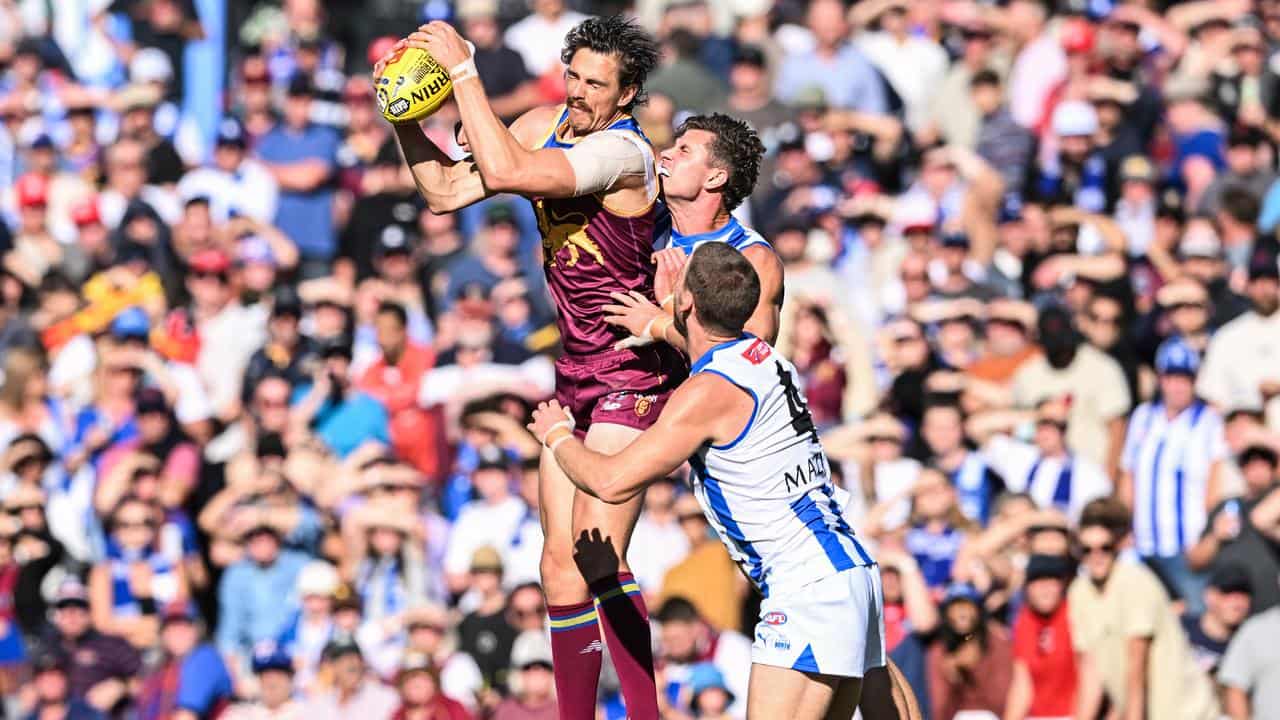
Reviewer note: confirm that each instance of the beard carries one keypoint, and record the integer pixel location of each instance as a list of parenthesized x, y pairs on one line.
[(681, 320)]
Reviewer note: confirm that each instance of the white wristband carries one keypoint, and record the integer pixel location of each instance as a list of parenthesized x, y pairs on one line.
[(552, 447), (647, 332), (466, 68), (567, 423)]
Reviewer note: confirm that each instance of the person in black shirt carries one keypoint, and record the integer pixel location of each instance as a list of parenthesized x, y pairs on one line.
[(1227, 607), (485, 634), (390, 199), (507, 82)]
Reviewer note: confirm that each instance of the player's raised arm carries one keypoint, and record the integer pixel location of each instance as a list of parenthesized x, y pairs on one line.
[(707, 408), (599, 162)]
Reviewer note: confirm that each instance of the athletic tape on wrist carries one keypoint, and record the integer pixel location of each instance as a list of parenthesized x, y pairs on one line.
[(565, 438)]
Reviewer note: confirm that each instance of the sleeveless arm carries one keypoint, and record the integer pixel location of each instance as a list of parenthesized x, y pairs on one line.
[(704, 409)]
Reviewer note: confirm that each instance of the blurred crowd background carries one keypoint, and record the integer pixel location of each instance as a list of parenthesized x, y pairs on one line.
[(261, 414)]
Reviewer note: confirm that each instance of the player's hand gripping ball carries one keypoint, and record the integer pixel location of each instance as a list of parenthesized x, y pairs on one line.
[(412, 85)]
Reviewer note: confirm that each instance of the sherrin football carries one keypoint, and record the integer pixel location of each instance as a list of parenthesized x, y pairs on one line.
[(413, 85)]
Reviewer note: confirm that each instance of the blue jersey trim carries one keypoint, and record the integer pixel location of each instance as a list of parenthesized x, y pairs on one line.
[(720, 507), (755, 407), (706, 357), (843, 526), (1155, 498), (808, 512), (806, 662)]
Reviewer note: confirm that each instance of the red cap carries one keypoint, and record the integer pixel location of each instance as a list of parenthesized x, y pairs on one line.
[(1077, 36), (210, 261), (379, 47), (86, 212), (32, 189)]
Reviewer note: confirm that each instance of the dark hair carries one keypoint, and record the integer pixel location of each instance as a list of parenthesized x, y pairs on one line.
[(736, 148), (678, 609), (388, 307), (1107, 513), (1241, 204), (986, 76), (724, 286), (616, 35)]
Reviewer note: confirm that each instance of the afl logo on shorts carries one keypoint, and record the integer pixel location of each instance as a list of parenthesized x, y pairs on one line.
[(644, 404), (776, 617)]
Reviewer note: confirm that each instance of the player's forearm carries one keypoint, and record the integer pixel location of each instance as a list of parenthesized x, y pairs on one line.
[(435, 173), (498, 154)]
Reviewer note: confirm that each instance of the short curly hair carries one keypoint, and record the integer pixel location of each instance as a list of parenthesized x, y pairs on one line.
[(736, 148), (636, 50)]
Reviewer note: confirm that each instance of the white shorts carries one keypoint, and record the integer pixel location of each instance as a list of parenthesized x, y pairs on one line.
[(834, 626)]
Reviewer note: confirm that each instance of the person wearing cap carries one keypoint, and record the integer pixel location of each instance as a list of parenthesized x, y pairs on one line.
[(421, 697), (1136, 207), (203, 684), (485, 633), (234, 182), (1186, 304), (34, 251), (273, 669), (1077, 173), (531, 681), (52, 691), (1237, 371), (99, 666), (287, 352), (1172, 470), (1119, 612), (686, 640), (1010, 325), (302, 157), (429, 632), (1227, 600), (1045, 675), (385, 554), (311, 628), (138, 103), (970, 664), (355, 692), (333, 409), (843, 72)]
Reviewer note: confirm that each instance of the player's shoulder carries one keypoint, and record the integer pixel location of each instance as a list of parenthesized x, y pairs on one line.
[(535, 124)]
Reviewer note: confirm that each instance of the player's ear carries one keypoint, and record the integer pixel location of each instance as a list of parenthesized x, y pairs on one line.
[(628, 94), (716, 179)]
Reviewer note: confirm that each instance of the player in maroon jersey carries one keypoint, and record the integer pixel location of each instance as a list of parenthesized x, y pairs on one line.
[(592, 177)]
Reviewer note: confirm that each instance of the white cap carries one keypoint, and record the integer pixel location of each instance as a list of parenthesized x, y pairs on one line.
[(1074, 118), (317, 578), (530, 646), (915, 210), (150, 65)]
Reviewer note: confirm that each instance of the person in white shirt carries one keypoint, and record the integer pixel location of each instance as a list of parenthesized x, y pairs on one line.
[(1045, 468), (540, 36), (234, 183), (913, 64), (1242, 363), (492, 519), (657, 543), (1171, 472)]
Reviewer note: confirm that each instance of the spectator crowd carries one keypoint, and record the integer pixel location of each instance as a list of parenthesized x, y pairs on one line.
[(262, 445)]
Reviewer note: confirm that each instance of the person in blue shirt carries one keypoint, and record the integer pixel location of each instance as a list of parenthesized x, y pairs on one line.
[(341, 416), (302, 156), (847, 78), (256, 596), (192, 680)]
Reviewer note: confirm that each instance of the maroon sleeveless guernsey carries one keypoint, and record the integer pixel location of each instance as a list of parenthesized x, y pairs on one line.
[(590, 251)]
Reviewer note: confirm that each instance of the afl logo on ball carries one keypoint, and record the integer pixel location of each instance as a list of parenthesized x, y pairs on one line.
[(644, 404), (775, 618)]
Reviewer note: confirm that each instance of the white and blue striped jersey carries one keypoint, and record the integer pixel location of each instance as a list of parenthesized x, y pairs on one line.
[(768, 493), (1170, 461), (738, 236)]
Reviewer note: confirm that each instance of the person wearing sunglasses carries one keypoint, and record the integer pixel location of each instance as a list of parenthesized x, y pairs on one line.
[(1130, 647)]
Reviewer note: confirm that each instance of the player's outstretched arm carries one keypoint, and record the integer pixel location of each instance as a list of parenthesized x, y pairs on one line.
[(507, 163), (705, 409)]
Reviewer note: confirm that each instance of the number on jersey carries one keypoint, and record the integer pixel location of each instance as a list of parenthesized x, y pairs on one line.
[(801, 420)]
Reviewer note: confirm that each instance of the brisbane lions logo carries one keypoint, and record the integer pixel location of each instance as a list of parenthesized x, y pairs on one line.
[(565, 232)]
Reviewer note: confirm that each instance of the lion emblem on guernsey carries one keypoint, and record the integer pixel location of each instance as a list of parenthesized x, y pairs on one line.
[(565, 231)]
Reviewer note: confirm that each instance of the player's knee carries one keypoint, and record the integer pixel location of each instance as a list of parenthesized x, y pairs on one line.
[(559, 573)]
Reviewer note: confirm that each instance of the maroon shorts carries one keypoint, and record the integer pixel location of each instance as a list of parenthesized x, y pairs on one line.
[(623, 387)]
